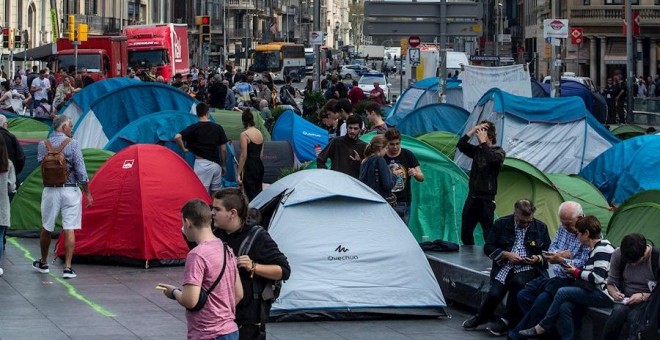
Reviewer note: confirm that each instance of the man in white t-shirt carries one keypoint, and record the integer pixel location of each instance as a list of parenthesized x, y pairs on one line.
[(39, 88)]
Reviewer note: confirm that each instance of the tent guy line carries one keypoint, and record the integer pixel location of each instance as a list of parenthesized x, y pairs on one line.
[(69, 287)]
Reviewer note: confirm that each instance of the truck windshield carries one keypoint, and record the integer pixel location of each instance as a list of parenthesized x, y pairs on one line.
[(90, 61), (266, 61), (139, 59), (309, 58)]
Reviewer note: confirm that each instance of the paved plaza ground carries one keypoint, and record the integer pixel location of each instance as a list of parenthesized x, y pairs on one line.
[(110, 302)]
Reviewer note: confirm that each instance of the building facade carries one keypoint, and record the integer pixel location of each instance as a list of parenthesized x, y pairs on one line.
[(603, 51), (235, 24)]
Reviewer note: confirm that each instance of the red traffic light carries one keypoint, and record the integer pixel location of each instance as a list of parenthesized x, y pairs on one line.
[(206, 20), (5, 31)]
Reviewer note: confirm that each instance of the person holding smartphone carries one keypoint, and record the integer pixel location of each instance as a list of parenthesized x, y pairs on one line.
[(589, 289), (206, 263), (487, 160), (535, 299)]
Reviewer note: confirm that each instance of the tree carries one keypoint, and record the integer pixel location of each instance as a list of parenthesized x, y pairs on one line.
[(356, 19)]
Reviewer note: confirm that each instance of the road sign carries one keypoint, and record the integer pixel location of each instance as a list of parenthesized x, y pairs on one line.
[(555, 28), (414, 41), (316, 38), (413, 56), (576, 35)]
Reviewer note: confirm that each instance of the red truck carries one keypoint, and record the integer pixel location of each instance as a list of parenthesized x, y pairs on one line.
[(164, 46), (103, 56)]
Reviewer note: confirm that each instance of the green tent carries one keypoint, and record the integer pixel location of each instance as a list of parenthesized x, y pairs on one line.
[(639, 214), (519, 179), (26, 205), (437, 202), (233, 125), (443, 141), (627, 131), (27, 128)]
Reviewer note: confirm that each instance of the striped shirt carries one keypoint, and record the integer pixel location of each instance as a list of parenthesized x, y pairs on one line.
[(21, 89), (519, 249), (73, 155), (598, 264), (565, 240)]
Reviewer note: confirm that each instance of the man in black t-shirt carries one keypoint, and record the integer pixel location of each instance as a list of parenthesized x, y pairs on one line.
[(206, 140), (404, 165)]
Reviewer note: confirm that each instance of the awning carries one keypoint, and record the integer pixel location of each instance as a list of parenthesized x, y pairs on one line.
[(41, 53), (616, 53)]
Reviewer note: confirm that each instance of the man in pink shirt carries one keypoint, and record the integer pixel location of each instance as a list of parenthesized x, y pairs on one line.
[(377, 95), (208, 262)]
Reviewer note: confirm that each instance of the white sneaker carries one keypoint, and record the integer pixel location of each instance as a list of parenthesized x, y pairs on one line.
[(1, 272)]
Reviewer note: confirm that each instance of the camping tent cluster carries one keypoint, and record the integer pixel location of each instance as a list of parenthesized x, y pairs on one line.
[(133, 221)]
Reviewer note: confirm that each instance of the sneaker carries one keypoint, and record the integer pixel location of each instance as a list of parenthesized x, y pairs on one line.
[(40, 267), (69, 273), (500, 328), (1, 271), (473, 322)]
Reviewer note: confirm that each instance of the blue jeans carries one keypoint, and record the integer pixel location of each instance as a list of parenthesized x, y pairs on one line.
[(3, 230), (561, 310), (535, 300), (230, 336), (403, 209)]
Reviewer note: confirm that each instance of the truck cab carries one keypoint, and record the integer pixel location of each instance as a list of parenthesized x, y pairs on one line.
[(102, 56), (162, 46)]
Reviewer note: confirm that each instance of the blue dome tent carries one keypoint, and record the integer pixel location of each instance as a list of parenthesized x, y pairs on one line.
[(302, 135), (626, 169), (425, 92), (429, 118), (110, 113), (81, 100)]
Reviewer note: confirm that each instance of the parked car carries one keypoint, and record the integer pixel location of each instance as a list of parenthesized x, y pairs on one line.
[(571, 76), (352, 71), (366, 83)]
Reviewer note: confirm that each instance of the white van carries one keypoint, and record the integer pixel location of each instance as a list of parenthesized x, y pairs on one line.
[(571, 76)]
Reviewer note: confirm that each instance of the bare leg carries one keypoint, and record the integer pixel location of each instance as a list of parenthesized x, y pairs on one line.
[(44, 241), (69, 245)]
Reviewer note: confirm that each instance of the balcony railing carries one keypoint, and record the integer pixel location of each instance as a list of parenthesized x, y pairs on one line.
[(240, 4), (612, 15), (98, 25)]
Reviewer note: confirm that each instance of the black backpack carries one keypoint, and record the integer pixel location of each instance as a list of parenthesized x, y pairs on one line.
[(266, 293), (647, 324)]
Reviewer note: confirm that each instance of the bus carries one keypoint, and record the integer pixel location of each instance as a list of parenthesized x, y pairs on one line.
[(280, 58), (310, 57)]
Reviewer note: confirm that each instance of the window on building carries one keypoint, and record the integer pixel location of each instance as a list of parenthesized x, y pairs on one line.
[(7, 13), (19, 8), (586, 2), (91, 7), (620, 2)]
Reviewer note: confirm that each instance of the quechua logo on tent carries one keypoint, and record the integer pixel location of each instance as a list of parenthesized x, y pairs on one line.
[(343, 256)]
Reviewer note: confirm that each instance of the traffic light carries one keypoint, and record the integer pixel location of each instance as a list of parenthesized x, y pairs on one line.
[(17, 40), (5, 37), (82, 32), (72, 27), (204, 23)]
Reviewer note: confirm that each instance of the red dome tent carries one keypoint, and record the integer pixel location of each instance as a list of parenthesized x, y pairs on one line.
[(135, 219)]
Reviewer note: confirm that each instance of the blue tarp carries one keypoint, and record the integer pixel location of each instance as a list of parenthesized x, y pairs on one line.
[(626, 169), (118, 108), (594, 102), (429, 118), (302, 135)]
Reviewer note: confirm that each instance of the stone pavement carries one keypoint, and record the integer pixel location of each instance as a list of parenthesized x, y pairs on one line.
[(110, 302)]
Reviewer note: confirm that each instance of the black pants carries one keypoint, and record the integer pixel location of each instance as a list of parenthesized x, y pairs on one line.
[(514, 283), (619, 320), (620, 111), (252, 332), (476, 210), (611, 112)]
